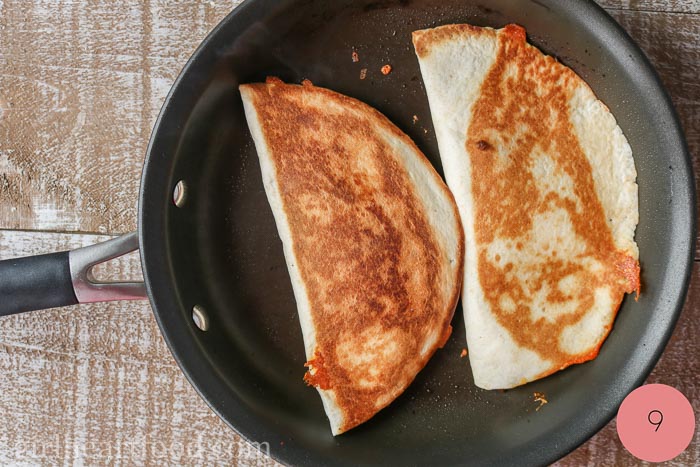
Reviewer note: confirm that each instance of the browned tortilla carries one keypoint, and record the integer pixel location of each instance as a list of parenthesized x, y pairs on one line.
[(544, 180), (375, 274)]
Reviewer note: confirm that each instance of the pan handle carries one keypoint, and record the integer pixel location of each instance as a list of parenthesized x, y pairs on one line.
[(61, 279)]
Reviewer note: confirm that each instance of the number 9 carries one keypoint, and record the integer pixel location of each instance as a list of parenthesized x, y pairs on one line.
[(658, 423)]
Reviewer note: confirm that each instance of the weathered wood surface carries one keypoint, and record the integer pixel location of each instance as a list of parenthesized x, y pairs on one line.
[(81, 83)]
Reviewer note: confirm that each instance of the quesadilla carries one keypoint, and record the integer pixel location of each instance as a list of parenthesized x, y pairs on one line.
[(371, 238), (545, 184)]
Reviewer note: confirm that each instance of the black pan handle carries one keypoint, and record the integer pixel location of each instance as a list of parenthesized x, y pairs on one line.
[(35, 283), (61, 279)]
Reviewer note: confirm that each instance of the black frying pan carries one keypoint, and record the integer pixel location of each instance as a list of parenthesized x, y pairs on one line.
[(219, 252)]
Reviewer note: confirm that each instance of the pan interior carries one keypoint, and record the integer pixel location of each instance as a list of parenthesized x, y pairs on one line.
[(221, 251)]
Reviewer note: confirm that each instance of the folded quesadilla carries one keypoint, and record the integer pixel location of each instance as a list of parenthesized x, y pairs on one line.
[(545, 184), (371, 238)]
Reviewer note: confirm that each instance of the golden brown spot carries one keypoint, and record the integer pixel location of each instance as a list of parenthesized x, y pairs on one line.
[(524, 100)]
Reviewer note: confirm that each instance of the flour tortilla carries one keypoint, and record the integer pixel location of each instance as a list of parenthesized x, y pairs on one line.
[(371, 238), (544, 181)]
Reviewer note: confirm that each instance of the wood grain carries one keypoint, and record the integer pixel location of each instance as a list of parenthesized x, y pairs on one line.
[(96, 384), (81, 83)]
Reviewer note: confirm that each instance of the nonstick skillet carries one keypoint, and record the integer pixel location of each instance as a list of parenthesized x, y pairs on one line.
[(214, 269)]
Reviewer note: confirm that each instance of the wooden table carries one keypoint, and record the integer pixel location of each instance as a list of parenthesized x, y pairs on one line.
[(81, 83)]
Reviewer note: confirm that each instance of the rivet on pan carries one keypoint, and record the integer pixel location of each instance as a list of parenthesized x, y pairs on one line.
[(200, 318), (179, 194)]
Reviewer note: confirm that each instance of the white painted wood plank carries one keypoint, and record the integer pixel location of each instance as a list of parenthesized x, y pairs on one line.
[(81, 84)]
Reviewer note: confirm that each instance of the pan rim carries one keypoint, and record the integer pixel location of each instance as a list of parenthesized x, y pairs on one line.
[(157, 268)]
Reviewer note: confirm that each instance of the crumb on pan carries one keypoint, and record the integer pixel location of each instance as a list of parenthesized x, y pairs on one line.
[(386, 69), (363, 73), (539, 397), (355, 57), (415, 119), (463, 354)]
